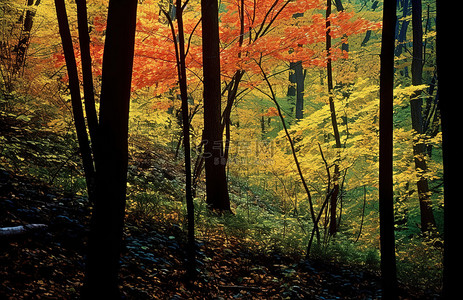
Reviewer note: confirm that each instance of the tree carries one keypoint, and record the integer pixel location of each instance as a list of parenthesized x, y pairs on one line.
[(386, 192), (16, 36), (111, 154), (297, 91), (76, 101), (296, 77), (216, 180), (450, 115), (249, 31), (182, 78), (419, 147), (337, 172), (86, 62)]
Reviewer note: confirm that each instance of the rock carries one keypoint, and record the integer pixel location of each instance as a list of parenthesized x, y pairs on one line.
[(7, 204)]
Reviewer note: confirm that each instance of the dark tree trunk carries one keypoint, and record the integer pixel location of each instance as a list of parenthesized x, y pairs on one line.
[(86, 60), (107, 185), (216, 181), (76, 100), (450, 110), (108, 212), (181, 67), (333, 228), (297, 91), (419, 148), (296, 78), (386, 192)]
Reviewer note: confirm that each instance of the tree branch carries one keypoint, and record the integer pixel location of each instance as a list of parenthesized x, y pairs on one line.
[(22, 229)]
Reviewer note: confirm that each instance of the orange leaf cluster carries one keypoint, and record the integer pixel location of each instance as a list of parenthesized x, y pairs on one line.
[(271, 112), (269, 31)]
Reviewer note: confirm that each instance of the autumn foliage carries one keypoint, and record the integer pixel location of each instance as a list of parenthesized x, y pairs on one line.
[(269, 33), (261, 42)]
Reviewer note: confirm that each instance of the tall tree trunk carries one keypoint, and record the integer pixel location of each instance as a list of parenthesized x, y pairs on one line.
[(450, 110), (76, 100), (386, 191), (419, 148), (333, 228), (297, 78), (86, 60), (104, 244), (216, 181), (181, 64)]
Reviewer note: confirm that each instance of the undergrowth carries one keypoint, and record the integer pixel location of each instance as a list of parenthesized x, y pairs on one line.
[(267, 230), (156, 194)]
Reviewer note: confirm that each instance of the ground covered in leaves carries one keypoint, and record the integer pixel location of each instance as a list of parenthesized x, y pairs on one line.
[(49, 263)]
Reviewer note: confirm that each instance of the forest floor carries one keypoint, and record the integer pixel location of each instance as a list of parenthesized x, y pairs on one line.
[(49, 263)]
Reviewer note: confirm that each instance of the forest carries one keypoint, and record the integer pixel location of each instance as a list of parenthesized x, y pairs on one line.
[(235, 149)]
